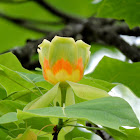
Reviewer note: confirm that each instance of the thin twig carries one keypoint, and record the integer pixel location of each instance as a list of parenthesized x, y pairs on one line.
[(23, 23), (52, 23), (14, 2), (31, 21), (45, 127), (57, 12), (91, 31)]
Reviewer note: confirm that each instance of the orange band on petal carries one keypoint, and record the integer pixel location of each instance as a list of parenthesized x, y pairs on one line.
[(62, 65), (46, 67), (44, 75), (80, 66), (46, 64)]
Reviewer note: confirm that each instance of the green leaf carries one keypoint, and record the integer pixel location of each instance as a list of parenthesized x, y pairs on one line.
[(9, 117), (102, 111), (132, 133), (31, 77), (16, 78), (87, 92), (2, 93), (70, 100), (75, 133), (12, 81), (117, 135), (28, 134), (118, 9), (38, 123), (129, 133), (44, 100), (80, 138), (78, 134), (25, 96), (36, 79), (12, 1), (3, 135), (9, 106), (10, 60), (101, 84), (116, 71), (72, 7), (13, 35), (17, 35)]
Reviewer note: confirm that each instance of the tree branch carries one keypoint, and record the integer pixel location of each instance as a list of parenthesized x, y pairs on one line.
[(58, 13), (124, 30), (55, 136), (117, 26), (96, 30), (100, 133), (52, 23), (25, 53), (95, 33)]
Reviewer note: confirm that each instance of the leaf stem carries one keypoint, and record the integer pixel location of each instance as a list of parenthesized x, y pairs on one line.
[(63, 87), (63, 95), (44, 127)]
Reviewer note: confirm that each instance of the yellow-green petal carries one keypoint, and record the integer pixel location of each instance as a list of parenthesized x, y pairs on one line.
[(43, 51), (62, 48), (83, 51), (87, 92)]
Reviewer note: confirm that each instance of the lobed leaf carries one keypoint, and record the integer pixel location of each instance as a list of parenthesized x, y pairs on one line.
[(118, 9), (116, 71), (14, 78), (8, 117), (102, 111), (9, 106)]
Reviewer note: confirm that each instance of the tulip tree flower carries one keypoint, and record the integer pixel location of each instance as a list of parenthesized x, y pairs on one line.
[(63, 62), (63, 59)]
